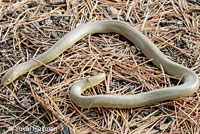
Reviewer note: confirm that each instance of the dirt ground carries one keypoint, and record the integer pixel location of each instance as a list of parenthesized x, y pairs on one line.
[(39, 102)]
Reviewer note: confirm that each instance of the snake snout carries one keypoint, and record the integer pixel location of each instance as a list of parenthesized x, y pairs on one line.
[(5, 80), (10, 76)]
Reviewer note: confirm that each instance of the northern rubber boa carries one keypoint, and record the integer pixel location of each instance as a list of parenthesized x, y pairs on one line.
[(190, 78)]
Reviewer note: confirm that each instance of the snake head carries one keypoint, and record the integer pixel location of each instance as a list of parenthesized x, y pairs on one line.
[(5, 81), (10, 76)]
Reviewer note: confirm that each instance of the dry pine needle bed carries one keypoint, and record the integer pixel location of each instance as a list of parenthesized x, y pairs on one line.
[(39, 100)]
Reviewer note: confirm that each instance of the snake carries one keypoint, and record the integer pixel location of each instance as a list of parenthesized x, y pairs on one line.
[(190, 79)]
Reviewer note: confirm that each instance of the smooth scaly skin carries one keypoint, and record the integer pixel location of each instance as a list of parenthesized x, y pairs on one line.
[(190, 85)]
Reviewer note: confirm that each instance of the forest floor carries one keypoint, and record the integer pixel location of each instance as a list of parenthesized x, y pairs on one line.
[(39, 101)]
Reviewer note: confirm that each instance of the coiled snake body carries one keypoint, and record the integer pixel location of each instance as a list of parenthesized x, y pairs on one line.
[(190, 85)]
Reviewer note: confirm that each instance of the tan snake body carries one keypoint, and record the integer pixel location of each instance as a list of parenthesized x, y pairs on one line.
[(190, 85)]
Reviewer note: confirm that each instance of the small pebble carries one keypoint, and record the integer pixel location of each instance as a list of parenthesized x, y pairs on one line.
[(26, 6), (179, 22), (74, 2), (25, 31), (113, 12), (4, 50), (32, 26), (54, 35), (26, 103), (10, 10), (57, 1), (146, 113), (164, 126), (65, 130)]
